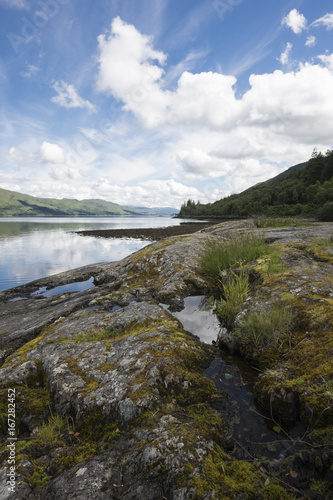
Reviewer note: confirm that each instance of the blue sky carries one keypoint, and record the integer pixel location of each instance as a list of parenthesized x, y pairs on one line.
[(152, 102)]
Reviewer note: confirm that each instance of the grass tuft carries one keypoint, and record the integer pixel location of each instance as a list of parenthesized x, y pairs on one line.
[(235, 291), (267, 328), (262, 221), (238, 252), (51, 431)]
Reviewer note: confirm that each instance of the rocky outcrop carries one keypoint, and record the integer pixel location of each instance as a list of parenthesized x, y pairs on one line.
[(110, 400)]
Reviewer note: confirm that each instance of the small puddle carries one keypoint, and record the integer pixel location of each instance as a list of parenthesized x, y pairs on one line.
[(77, 286), (253, 430), (198, 318)]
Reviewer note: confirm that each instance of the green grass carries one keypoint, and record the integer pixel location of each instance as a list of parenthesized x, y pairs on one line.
[(262, 221), (234, 293), (266, 328), (94, 334), (274, 264), (52, 430), (240, 251), (326, 242)]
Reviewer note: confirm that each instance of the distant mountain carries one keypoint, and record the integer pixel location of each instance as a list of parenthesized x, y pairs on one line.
[(157, 211), (107, 207), (306, 189), (13, 204)]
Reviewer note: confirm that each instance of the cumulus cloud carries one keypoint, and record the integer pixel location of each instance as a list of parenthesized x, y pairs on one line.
[(326, 21), (127, 72), (327, 60), (149, 193), (200, 164), (296, 103), (295, 21), (311, 41), (127, 69), (284, 58), (51, 153), (69, 98)]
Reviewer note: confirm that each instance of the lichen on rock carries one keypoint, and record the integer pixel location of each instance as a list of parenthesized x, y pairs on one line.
[(111, 397)]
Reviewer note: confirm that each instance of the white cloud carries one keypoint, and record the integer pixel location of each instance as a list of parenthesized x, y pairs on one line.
[(18, 155), (295, 21), (326, 21), (202, 165), (30, 71), (63, 174), (127, 70), (212, 134), (310, 41), (149, 193), (69, 98), (296, 103), (284, 58), (199, 129), (16, 4), (51, 153), (327, 60)]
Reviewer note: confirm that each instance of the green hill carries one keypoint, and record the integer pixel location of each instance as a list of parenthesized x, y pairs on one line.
[(304, 190), (13, 204)]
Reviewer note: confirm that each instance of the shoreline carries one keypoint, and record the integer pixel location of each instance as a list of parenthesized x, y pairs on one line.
[(150, 234)]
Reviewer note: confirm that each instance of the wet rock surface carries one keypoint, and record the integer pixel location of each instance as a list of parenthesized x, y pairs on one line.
[(111, 401)]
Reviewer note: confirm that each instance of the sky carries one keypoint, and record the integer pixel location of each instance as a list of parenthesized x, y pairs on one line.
[(152, 102)]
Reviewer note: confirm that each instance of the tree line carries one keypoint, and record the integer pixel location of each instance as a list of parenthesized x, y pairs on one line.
[(306, 192)]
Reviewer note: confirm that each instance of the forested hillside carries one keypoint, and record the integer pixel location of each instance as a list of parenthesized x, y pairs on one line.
[(303, 191)]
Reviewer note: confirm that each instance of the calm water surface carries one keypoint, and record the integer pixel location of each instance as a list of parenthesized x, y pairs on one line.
[(32, 248)]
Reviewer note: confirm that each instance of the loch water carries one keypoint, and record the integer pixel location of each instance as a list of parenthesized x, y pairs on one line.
[(37, 247)]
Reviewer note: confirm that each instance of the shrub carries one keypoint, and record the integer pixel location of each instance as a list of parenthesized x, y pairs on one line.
[(326, 212)]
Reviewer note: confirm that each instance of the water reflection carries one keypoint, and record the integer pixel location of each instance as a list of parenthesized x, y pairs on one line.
[(197, 318), (32, 248), (253, 430), (77, 286)]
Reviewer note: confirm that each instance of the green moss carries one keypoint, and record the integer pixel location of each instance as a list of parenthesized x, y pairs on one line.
[(94, 334), (40, 476), (94, 427), (90, 383), (231, 479), (20, 356), (33, 398), (73, 456), (323, 488)]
